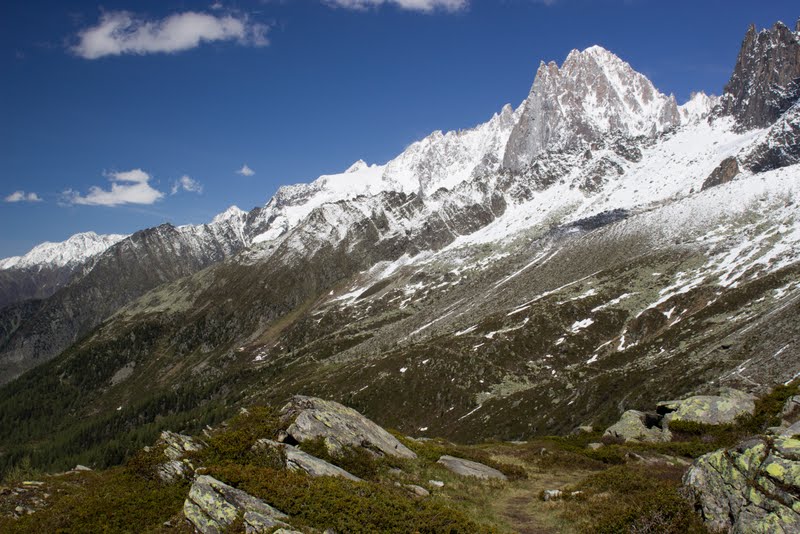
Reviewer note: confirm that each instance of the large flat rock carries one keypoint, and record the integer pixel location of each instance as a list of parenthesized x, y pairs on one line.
[(709, 409), (468, 468), (302, 461), (338, 426)]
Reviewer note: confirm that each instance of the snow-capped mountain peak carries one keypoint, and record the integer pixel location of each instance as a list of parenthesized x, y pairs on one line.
[(357, 166), (698, 107), (447, 159), (592, 95), (232, 212), (75, 250)]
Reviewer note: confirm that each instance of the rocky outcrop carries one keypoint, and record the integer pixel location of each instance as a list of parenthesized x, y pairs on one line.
[(780, 147), (637, 426), (709, 409), (338, 426), (298, 460), (468, 468), (724, 173), (177, 446), (705, 409), (766, 80), (213, 506), (751, 488)]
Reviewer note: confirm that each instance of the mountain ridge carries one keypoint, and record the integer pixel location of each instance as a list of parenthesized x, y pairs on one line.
[(602, 276)]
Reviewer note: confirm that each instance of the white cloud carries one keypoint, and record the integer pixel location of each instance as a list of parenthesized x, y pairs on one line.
[(426, 6), (129, 187), (121, 32), (246, 171), (187, 184), (22, 196)]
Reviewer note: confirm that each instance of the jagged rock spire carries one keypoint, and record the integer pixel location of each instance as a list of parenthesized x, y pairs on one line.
[(592, 95), (766, 79)]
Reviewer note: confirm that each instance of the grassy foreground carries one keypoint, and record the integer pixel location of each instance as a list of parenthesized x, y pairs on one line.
[(615, 488)]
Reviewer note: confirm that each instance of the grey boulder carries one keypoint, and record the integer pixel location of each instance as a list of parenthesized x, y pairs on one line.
[(633, 426), (709, 409), (338, 426), (468, 468), (298, 460)]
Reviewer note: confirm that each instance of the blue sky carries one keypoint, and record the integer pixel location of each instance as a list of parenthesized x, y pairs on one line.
[(186, 93)]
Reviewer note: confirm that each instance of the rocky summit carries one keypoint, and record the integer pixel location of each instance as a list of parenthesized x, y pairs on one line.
[(580, 314)]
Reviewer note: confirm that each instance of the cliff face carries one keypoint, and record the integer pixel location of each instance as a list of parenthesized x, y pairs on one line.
[(766, 80)]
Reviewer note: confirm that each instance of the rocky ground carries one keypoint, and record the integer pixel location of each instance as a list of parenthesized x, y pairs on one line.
[(724, 462)]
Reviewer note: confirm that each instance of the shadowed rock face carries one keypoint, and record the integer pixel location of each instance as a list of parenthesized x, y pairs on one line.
[(726, 172), (339, 426), (751, 488), (766, 80)]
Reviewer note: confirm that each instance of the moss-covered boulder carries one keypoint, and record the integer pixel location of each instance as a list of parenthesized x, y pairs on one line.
[(753, 487), (212, 507), (339, 426), (709, 409), (637, 426)]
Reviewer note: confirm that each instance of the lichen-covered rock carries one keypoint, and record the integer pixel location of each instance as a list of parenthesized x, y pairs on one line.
[(468, 468), (338, 426), (633, 426), (176, 447), (753, 487), (302, 461), (213, 506), (709, 409)]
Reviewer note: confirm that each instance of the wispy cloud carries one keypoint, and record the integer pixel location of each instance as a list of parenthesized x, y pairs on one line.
[(129, 187), (246, 171), (186, 183), (22, 196), (121, 32), (425, 6)]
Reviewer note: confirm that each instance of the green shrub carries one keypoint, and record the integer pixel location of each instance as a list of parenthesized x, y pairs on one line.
[(345, 506), (111, 501), (635, 499), (234, 442)]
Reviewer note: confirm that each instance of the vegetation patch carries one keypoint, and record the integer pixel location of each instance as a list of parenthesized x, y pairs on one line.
[(343, 505)]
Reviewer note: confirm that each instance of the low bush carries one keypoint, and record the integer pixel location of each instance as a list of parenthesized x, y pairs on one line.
[(634, 499), (111, 501), (234, 442), (345, 506)]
